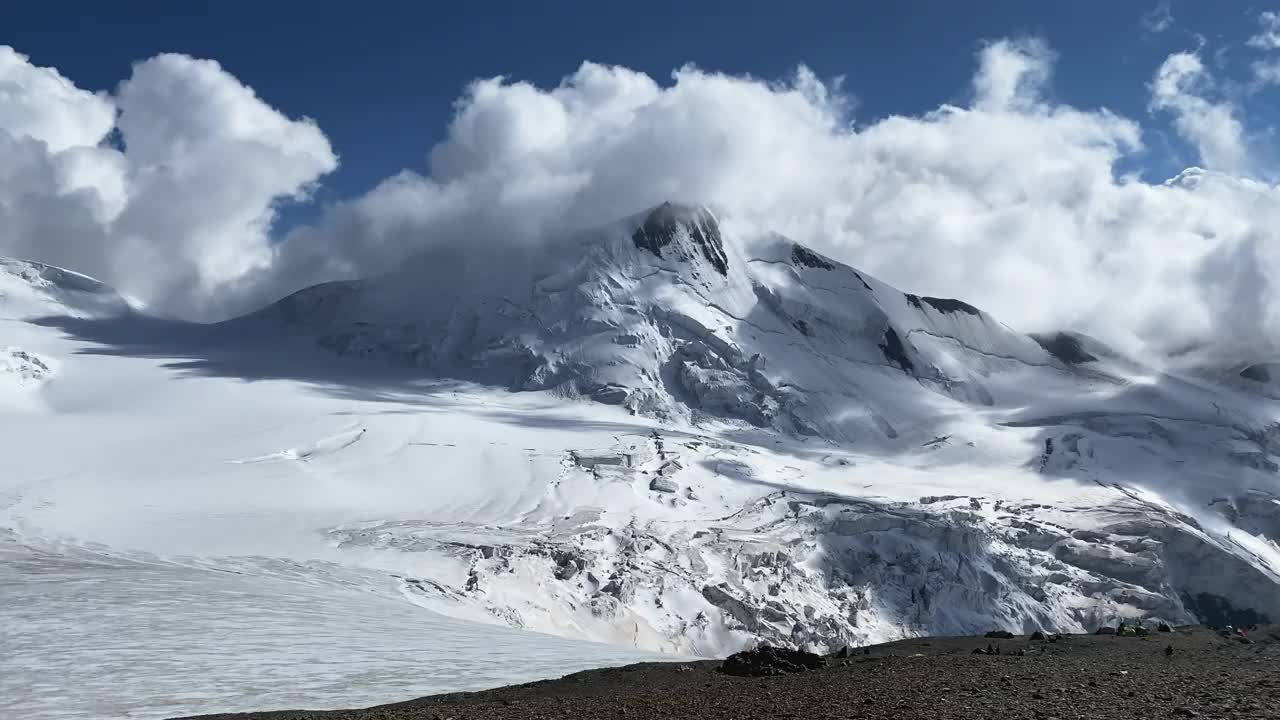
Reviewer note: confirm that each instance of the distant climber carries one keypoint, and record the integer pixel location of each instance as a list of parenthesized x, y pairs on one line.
[(1168, 651)]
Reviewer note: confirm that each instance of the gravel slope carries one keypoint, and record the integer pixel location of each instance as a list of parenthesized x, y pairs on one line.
[(1094, 677)]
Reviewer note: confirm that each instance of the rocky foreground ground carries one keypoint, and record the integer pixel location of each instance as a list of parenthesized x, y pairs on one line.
[(1187, 673)]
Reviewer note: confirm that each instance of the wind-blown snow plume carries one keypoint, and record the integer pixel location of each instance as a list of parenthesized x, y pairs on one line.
[(1011, 201)]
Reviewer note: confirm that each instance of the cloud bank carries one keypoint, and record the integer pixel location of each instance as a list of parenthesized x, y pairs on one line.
[(167, 188)]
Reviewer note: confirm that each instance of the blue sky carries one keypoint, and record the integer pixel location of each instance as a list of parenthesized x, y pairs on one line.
[(381, 79)]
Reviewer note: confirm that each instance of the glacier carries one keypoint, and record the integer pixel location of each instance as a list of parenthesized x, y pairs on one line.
[(651, 439)]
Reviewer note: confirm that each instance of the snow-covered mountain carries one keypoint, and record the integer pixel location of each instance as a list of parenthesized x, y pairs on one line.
[(652, 434), (662, 316)]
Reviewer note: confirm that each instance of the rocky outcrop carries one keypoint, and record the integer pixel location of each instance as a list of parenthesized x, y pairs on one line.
[(766, 660), (684, 231)]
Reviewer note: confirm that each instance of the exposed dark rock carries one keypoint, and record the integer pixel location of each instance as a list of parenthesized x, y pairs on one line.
[(946, 305), (662, 484), (1037, 635), (589, 462), (1257, 373), (1064, 347), (895, 352), (35, 363), (659, 230), (1216, 611), (627, 339), (999, 635), (930, 499), (764, 661), (610, 394), (568, 564), (617, 587), (804, 256), (735, 608)]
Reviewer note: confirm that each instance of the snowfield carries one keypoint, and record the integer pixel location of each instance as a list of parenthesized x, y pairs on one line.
[(659, 440)]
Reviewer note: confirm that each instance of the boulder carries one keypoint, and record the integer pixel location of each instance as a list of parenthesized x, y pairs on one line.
[(767, 660), (661, 484)]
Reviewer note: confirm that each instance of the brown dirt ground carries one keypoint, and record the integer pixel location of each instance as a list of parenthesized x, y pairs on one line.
[(1080, 676)]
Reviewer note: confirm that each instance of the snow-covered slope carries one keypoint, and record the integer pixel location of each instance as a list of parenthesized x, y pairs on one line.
[(662, 316), (652, 434)]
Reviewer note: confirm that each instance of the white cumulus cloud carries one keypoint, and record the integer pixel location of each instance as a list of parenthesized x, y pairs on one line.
[(40, 104), (180, 210), (1268, 37), (1010, 200), (1181, 86)]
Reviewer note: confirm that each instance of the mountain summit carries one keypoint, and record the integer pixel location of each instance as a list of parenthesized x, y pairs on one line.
[(662, 315)]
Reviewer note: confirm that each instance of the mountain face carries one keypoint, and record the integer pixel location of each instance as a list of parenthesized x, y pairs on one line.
[(653, 434), (30, 289), (665, 318)]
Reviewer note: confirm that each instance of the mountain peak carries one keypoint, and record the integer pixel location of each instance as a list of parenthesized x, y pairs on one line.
[(688, 230), (29, 288), (42, 275)]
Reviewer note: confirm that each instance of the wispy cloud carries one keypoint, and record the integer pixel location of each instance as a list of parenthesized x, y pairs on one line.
[(1181, 87), (1268, 37), (1157, 19), (1266, 72)]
